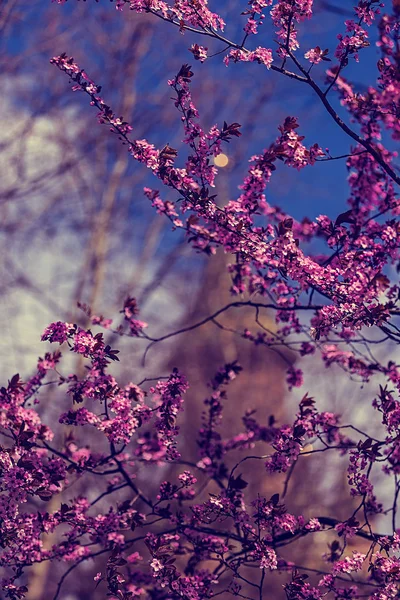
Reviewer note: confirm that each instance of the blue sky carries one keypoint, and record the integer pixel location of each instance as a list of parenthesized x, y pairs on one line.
[(230, 91)]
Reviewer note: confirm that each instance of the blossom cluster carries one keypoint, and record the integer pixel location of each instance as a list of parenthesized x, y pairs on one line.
[(35, 469), (197, 533)]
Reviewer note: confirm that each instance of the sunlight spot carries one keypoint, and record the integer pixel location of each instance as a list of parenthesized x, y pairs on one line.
[(307, 448), (221, 160)]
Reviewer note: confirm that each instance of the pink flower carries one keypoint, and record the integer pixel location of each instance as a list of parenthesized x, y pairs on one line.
[(199, 52), (316, 55)]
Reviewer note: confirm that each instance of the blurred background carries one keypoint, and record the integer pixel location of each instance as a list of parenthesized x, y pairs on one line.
[(76, 226)]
